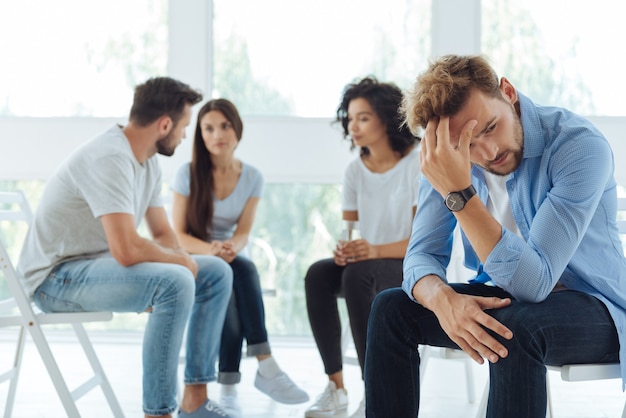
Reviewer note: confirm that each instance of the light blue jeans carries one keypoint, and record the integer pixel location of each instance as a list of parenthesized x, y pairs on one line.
[(176, 300)]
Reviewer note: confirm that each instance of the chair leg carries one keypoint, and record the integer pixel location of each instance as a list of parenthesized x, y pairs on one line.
[(346, 335), (469, 380), (67, 397), (98, 370), (424, 353), (54, 372), (549, 412), (17, 364), (481, 412)]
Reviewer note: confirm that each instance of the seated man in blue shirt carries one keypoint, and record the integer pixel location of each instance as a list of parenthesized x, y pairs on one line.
[(533, 191)]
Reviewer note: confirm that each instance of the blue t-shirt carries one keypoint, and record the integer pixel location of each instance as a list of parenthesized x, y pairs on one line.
[(226, 212)]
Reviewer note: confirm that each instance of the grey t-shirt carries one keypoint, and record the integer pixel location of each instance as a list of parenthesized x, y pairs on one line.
[(226, 212), (100, 177)]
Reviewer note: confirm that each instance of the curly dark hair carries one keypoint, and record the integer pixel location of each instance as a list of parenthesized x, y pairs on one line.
[(386, 100)]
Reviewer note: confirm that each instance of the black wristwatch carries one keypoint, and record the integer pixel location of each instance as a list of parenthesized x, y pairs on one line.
[(455, 201)]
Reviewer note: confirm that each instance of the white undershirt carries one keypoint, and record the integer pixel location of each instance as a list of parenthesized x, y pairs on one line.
[(498, 204)]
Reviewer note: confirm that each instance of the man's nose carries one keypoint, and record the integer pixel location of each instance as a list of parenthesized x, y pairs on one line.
[(489, 150)]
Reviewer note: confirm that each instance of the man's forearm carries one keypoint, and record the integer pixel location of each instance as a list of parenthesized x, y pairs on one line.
[(480, 228), (144, 250), (168, 240)]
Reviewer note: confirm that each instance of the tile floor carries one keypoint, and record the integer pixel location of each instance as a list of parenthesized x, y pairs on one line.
[(444, 394)]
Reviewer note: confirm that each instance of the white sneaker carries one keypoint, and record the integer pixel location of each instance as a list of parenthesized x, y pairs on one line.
[(331, 402), (360, 411), (280, 388), (230, 405)]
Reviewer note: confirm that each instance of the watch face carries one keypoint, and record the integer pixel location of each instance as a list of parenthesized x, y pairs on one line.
[(455, 201)]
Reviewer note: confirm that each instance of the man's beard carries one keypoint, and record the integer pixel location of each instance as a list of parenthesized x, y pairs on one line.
[(164, 147)]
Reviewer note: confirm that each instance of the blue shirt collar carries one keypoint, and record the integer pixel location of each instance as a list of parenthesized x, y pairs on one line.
[(534, 143)]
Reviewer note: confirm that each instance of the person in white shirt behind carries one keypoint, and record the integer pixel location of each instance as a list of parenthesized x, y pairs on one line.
[(380, 195)]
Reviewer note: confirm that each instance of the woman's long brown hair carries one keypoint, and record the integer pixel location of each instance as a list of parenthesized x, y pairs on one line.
[(199, 216)]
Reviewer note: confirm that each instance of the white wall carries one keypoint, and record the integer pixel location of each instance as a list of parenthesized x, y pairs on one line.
[(284, 149), (289, 150)]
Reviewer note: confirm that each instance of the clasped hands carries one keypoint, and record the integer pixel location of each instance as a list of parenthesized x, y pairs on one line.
[(352, 251), (224, 250)]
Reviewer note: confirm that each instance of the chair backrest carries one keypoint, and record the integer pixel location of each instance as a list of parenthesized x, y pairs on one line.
[(14, 207)]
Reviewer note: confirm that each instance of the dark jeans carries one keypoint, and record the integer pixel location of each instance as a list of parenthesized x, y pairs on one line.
[(568, 327), (245, 318), (359, 283)]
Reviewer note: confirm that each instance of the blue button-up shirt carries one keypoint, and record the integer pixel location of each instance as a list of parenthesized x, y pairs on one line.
[(564, 200)]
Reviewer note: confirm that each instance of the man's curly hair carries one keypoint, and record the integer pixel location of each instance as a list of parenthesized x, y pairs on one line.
[(445, 86)]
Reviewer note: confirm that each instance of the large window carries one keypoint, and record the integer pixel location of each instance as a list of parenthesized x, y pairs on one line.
[(287, 57), (296, 225), (78, 58), (284, 63), (559, 53), (301, 223)]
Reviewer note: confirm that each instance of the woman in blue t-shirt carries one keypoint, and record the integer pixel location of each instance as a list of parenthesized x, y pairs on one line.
[(214, 204)]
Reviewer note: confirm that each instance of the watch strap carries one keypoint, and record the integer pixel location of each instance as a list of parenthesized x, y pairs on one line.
[(468, 192), (455, 201)]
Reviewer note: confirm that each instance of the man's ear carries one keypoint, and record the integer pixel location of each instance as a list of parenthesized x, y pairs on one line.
[(508, 91), (164, 125)]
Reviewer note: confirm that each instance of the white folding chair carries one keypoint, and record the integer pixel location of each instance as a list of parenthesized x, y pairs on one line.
[(346, 342), (264, 257), (17, 311), (428, 352)]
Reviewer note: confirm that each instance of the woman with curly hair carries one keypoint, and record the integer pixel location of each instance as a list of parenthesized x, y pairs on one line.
[(380, 193)]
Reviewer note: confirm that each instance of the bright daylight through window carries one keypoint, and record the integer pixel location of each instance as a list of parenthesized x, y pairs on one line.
[(286, 60)]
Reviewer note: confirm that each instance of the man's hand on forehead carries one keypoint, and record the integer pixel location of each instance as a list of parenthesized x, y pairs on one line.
[(445, 161)]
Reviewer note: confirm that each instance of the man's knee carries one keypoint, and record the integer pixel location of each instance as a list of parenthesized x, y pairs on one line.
[(175, 283), (385, 304), (215, 271), (527, 329)]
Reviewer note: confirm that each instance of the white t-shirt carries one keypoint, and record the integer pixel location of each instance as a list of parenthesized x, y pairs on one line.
[(499, 204), (384, 201), (100, 177)]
